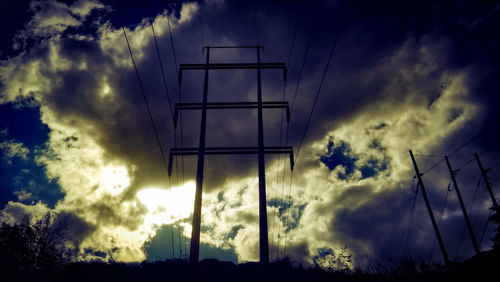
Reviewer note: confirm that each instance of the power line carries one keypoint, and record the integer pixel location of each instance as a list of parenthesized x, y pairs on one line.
[(297, 16), (465, 164), (201, 31), (281, 202), (409, 204), (332, 52), (305, 54), (141, 86), (463, 145), (288, 212), (316, 99), (407, 243), (485, 228), (167, 95), (277, 179), (173, 47), (180, 100), (463, 229), (299, 10), (443, 206), (427, 156), (263, 31), (159, 60), (495, 164), (432, 167)]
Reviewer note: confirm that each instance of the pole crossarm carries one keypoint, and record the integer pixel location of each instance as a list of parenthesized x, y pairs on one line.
[(231, 66), (229, 151), (230, 105), (234, 47)]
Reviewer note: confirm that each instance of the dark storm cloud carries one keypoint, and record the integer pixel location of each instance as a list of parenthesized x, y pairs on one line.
[(298, 250), (393, 59), (378, 225), (76, 228), (375, 31), (379, 222), (122, 127), (249, 218)]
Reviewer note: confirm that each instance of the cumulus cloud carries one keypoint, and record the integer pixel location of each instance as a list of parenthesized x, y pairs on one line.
[(16, 212), (390, 89), (83, 8), (11, 149), (51, 18)]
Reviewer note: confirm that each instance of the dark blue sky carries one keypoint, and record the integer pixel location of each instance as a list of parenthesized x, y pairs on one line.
[(22, 124)]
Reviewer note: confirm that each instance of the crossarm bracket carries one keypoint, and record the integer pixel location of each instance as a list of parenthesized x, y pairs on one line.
[(230, 105), (231, 66), (229, 151)]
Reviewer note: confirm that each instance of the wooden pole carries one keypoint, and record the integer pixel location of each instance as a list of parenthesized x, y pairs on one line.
[(488, 185), (464, 211), (429, 209)]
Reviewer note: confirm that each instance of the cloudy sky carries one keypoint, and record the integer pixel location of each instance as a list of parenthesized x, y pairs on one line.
[(76, 137)]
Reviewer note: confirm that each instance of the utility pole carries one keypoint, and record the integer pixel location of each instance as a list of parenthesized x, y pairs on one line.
[(202, 150), (429, 209), (464, 211), (488, 185)]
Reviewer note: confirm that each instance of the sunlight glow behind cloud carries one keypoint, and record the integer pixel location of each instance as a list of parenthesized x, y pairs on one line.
[(167, 206), (115, 179)]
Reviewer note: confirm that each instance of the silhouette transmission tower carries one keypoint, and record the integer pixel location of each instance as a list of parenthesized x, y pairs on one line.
[(202, 150)]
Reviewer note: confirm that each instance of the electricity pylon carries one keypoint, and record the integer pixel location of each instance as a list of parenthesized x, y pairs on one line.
[(202, 150)]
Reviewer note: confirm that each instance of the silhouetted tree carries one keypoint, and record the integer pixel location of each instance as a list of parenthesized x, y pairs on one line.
[(36, 245)]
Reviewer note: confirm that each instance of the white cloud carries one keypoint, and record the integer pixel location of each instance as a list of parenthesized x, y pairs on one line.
[(99, 187), (12, 149), (15, 212), (102, 152), (83, 8), (51, 17), (22, 195), (187, 12)]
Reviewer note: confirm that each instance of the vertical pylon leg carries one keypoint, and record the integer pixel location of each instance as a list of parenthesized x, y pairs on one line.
[(264, 243), (194, 252)]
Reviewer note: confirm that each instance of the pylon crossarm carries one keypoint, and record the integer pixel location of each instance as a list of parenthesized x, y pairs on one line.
[(229, 151), (233, 47), (230, 105), (231, 66)]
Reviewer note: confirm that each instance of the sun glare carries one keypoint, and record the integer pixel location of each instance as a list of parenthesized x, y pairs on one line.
[(114, 179), (167, 206)]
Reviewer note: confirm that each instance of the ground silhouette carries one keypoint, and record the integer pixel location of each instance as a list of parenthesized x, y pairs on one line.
[(38, 250), (483, 267)]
